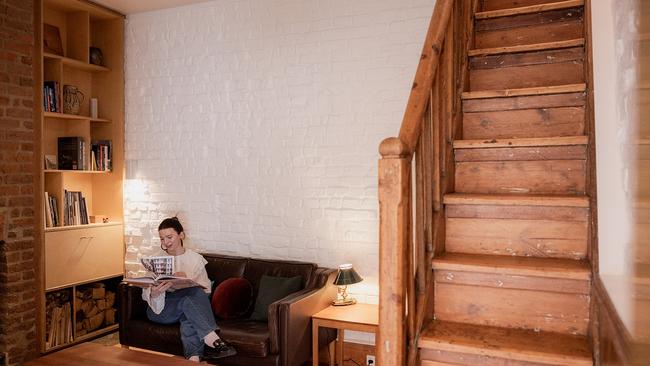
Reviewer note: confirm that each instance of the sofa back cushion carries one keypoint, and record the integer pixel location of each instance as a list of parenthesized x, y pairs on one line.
[(271, 290), (256, 268), (221, 267)]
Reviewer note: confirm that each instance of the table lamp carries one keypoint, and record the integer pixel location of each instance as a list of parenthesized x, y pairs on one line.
[(346, 276)]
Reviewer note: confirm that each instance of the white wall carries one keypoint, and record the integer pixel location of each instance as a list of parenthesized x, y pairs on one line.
[(259, 121), (615, 81)]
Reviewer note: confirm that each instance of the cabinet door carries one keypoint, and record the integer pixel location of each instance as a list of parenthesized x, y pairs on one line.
[(84, 254)]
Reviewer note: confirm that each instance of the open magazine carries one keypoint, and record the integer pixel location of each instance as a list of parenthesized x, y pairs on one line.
[(161, 270)]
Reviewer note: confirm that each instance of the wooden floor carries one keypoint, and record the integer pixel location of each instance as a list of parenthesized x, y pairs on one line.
[(95, 354)]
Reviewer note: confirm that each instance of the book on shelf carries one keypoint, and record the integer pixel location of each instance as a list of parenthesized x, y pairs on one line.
[(51, 97), (71, 153), (51, 211), (160, 270), (101, 155), (74, 209)]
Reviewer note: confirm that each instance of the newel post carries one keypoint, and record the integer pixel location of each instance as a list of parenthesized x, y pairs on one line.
[(394, 188)]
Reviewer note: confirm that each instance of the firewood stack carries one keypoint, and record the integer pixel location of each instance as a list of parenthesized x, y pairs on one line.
[(94, 305)]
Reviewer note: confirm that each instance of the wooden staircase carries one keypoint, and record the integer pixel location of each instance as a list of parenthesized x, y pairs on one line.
[(512, 286)]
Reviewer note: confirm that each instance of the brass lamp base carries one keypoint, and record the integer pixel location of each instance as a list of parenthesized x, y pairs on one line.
[(342, 302)]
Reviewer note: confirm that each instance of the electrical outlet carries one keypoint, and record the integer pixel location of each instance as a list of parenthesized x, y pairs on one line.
[(370, 360)]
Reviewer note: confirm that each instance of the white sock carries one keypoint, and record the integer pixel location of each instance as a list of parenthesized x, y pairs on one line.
[(195, 359), (210, 338)]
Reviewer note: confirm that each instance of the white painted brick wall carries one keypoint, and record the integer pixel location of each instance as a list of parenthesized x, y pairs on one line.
[(258, 122)]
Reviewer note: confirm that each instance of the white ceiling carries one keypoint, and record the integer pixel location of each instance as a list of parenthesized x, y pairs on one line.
[(138, 6)]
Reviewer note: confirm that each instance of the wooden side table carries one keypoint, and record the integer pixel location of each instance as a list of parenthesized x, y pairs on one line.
[(357, 317)]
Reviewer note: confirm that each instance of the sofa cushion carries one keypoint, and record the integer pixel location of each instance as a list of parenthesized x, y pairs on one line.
[(271, 290), (248, 337), (232, 298), (256, 268)]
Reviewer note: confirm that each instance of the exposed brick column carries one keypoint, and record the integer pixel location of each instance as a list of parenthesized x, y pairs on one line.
[(18, 143)]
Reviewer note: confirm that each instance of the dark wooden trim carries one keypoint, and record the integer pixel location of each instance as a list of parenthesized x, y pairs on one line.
[(591, 189), (39, 181), (613, 345)]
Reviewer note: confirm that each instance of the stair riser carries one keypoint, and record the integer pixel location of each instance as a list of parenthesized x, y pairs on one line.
[(511, 281), (539, 238), (489, 5), (552, 213), (542, 122), (526, 76), (577, 152), (531, 177), (513, 308), (536, 58), (468, 359), (520, 22), (527, 69), (524, 102), (551, 26)]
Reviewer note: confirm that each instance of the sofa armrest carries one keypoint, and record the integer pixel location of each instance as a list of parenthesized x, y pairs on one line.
[(294, 317), (131, 306)]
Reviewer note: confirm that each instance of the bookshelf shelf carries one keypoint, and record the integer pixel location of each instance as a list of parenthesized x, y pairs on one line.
[(85, 66), (78, 227), (69, 171), (74, 257), (74, 116)]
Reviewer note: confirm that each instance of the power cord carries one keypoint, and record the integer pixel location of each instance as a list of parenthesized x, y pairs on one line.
[(353, 361)]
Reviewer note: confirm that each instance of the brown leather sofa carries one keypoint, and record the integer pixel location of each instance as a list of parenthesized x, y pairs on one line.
[(285, 340)]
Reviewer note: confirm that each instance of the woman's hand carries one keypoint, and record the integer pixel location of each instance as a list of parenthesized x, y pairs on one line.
[(180, 274), (160, 289)]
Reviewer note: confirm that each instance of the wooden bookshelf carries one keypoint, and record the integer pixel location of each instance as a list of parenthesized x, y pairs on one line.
[(74, 256)]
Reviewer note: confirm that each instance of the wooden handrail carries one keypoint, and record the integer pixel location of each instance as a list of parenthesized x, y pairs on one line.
[(418, 99)]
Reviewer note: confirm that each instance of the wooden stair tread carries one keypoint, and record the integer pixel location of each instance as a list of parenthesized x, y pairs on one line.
[(544, 90), (513, 265), (529, 9), (527, 48), (516, 344), (516, 200), (521, 142)]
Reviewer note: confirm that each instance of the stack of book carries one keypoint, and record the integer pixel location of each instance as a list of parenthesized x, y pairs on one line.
[(51, 211), (51, 97), (101, 154), (72, 153), (74, 209)]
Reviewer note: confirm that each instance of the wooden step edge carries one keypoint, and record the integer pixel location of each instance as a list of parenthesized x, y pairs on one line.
[(544, 90), (487, 341), (529, 9), (521, 142), (515, 200), (511, 265), (505, 352), (527, 47)]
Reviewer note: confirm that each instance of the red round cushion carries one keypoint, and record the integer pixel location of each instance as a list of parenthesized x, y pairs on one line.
[(232, 298)]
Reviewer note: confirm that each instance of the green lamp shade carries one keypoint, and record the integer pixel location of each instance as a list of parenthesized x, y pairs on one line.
[(347, 275)]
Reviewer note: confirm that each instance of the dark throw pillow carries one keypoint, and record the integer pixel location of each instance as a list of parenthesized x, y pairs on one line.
[(232, 298), (271, 290)]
